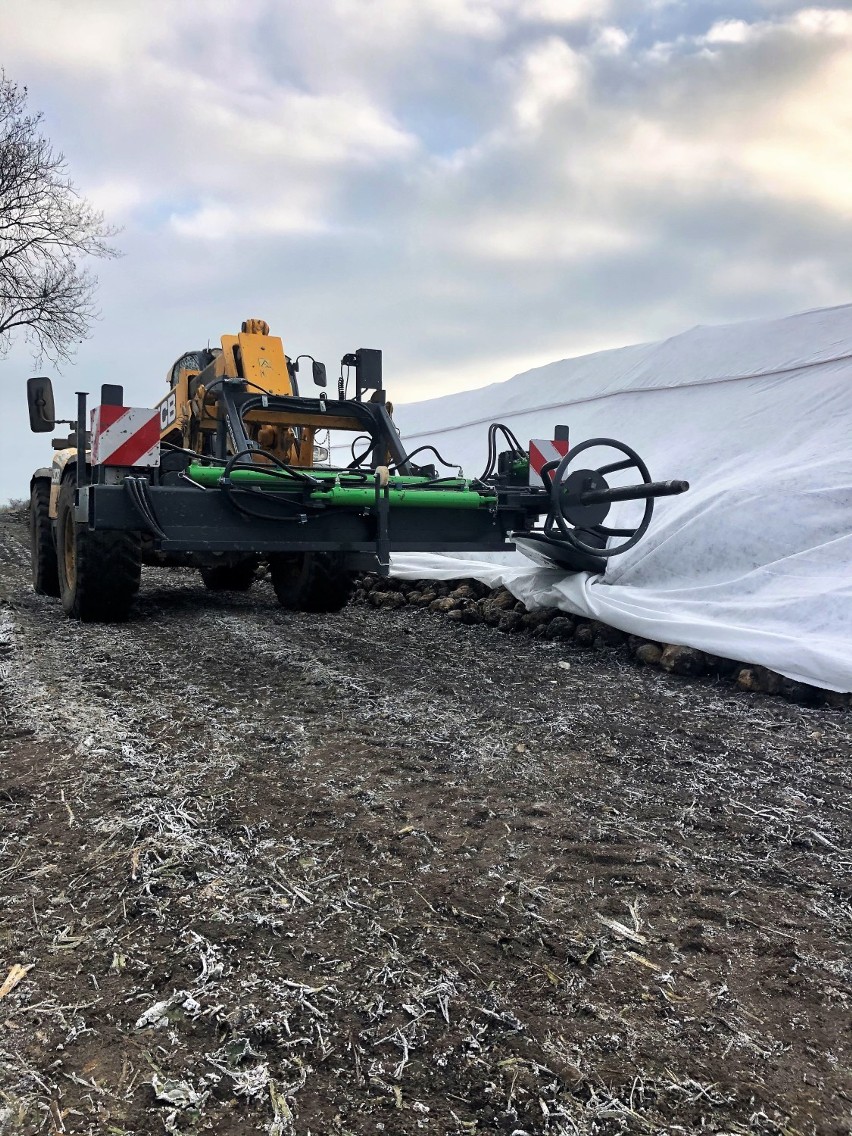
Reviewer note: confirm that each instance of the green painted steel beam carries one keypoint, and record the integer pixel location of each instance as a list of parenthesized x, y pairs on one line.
[(404, 498), (208, 475), (401, 490)]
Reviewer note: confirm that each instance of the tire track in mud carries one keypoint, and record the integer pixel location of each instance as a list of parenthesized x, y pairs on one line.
[(380, 870)]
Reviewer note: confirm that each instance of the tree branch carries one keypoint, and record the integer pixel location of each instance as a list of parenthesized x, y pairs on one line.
[(46, 231)]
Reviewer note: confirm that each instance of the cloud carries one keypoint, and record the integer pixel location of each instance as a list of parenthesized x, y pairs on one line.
[(565, 11), (611, 40), (551, 73), (730, 31), (504, 237), (212, 221)]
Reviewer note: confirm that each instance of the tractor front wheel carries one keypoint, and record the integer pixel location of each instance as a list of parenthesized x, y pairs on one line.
[(45, 568), (99, 572), (312, 581)]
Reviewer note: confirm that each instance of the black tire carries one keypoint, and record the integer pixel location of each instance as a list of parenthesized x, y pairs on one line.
[(99, 572), (312, 581), (45, 568), (237, 577)]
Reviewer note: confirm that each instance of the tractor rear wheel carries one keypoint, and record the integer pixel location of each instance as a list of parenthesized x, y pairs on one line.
[(237, 577), (312, 581), (45, 568), (99, 572)]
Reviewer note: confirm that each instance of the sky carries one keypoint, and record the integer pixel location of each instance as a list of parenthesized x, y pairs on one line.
[(477, 187)]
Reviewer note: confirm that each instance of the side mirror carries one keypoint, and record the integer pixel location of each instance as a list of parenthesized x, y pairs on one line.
[(42, 408), (317, 369)]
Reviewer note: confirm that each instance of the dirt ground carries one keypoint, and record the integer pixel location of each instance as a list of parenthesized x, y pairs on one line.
[(376, 872)]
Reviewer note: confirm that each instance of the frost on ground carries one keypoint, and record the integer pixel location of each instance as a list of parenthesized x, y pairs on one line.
[(362, 873)]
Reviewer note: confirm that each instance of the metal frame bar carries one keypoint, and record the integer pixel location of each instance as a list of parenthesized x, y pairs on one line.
[(204, 520), (234, 400), (82, 473)]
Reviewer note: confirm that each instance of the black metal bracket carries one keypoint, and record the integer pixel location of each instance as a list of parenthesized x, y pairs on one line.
[(82, 472), (382, 507)]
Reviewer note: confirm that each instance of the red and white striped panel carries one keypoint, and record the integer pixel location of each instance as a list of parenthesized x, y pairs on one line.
[(125, 435), (542, 451)]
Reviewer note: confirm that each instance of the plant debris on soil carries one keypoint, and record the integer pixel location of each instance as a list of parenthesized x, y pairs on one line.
[(266, 871), (472, 602)]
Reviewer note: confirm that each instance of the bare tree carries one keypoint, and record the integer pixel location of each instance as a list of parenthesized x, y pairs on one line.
[(46, 230)]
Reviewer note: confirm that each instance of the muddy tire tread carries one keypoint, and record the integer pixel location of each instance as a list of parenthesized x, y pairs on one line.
[(229, 577), (324, 584), (45, 567), (108, 569)]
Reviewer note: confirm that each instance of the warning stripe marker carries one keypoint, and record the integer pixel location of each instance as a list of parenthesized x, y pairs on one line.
[(542, 451), (126, 436)]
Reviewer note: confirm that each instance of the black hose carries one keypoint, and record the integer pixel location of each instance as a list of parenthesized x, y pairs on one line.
[(283, 470), (546, 471), (208, 459), (356, 461), (407, 458), (231, 492), (248, 382), (137, 488), (514, 445)]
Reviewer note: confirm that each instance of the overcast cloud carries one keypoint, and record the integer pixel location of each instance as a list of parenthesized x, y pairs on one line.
[(476, 186)]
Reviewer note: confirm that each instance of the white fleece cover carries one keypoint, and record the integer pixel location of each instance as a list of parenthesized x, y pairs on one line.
[(753, 563)]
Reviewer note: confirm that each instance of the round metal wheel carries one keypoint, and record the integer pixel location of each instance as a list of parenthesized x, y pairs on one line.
[(570, 512)]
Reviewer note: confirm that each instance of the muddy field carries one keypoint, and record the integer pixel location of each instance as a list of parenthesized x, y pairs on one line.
[(380, 873)]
